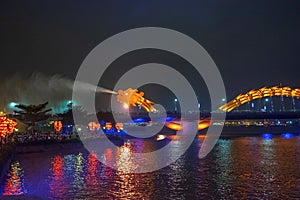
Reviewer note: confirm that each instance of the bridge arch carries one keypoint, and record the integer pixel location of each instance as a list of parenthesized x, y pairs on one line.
[(242, 99), (260, 93)]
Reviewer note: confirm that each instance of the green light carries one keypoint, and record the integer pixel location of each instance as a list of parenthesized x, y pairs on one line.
[(12, 105)]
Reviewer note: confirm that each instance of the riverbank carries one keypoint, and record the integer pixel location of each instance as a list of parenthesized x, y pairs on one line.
[(22, 197), (47, 146)]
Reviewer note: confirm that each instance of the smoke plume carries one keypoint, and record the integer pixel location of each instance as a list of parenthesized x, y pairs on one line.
[(38, 88)]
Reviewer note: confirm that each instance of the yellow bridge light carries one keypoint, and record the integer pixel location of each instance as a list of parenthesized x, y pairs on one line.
[(260, 93)]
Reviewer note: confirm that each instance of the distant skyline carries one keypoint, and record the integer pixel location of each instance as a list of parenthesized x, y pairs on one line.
[(254, 43)]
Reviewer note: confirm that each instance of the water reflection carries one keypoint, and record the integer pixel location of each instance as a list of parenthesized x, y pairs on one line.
[(78, 180), (91, 179), (224, 163), (57, 180), (268, 166), (176, 179), (92, 169), (125, 160), (107, 159), (15, 183), (241, 168)]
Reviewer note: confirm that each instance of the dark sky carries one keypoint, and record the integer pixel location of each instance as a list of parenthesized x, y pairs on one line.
[(254, 43)]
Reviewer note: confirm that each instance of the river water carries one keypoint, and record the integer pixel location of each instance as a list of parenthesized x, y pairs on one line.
[(240, 168)]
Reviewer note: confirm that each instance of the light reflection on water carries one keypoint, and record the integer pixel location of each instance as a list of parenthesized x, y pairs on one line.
[(15, 182), (241, 168)]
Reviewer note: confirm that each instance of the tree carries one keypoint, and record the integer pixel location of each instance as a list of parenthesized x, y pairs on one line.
[(31, 114)]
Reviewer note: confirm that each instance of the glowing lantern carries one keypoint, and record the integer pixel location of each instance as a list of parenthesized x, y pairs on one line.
[(7, 126), (94, 126), (108, 125), (119, 126), (57, 126)]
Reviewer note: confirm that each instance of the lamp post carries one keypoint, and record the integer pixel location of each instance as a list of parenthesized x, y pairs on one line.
[(223, 101), (252, 106), (175, 102), (266, 104)]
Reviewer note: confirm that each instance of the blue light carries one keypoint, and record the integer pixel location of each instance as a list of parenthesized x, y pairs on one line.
[(111, 131), (267, 136), (168, 119), (287, 135), (137, 120)]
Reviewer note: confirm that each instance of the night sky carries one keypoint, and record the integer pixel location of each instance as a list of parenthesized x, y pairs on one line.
[(254, 43)]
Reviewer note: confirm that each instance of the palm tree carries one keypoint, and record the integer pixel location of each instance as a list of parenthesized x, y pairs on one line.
[(31, 114)]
